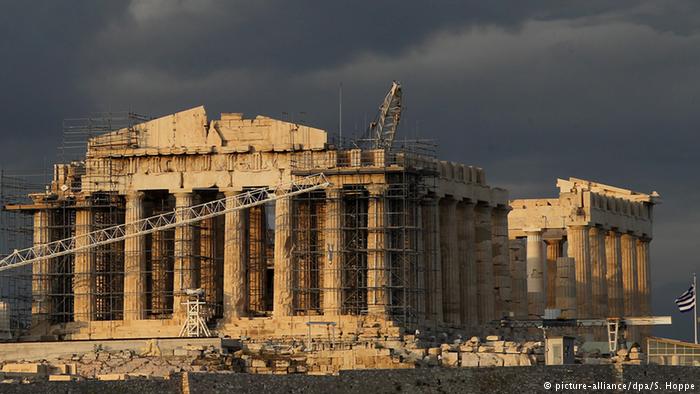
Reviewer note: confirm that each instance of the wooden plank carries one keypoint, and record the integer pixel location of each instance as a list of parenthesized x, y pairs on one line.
[(647, 320)]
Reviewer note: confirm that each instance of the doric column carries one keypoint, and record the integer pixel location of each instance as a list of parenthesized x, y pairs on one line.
[(333, 267), (377, 272), (235, 257), (579, 249), (535, 273), (41, 285), (566, 287), (484, 264), (185, 262), (629, 274), (283, 258), (554, 251), (518, 273), (450, 265), (468, 282), (257, 257), (83, 277), (302, 261), (420, 292), (433, 266), (613, 260), (502, 285), (160, 277), (599, 300), (134, 261), (643, 272), (208, 267)]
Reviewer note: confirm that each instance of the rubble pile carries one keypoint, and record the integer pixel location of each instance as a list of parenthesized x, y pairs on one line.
[(121, 365)]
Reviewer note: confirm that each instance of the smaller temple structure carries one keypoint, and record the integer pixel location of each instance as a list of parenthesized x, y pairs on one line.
[(586, 252)]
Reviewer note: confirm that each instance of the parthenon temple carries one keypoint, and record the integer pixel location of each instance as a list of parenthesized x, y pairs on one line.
[(398, 241)]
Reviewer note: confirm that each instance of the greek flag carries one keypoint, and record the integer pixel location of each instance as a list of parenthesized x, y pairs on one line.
[(686, 302)]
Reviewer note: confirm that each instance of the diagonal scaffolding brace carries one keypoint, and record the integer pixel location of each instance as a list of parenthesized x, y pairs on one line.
[(168, 220)]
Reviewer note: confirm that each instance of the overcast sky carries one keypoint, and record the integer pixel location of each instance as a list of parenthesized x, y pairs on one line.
[(530, 91)]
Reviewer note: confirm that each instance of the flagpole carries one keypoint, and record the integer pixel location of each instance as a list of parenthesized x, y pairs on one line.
[(695, 308)]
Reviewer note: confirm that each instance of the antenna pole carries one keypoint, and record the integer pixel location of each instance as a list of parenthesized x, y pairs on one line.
[(340, 116)]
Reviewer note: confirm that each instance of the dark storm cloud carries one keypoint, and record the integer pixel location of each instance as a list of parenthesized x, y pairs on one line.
[(530, 91)]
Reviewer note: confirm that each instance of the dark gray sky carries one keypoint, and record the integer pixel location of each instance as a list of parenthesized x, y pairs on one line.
[(530, 91)]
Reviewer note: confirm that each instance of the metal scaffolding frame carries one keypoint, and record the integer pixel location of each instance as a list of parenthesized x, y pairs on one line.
[(406, 188)]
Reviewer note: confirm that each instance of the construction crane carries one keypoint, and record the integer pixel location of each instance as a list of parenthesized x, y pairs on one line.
[(175, 218), (615, 325), (383, 128)]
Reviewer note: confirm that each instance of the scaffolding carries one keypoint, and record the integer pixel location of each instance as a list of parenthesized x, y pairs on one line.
[(380, 259), (16, 229), (381, 252)]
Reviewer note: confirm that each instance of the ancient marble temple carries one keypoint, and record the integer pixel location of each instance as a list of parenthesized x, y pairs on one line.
[(398, 241), (586, 252)]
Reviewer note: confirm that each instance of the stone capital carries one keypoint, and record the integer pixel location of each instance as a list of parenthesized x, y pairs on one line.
[(181, 193), (628, 236), (594, 230), (135, 195), (376, 190)]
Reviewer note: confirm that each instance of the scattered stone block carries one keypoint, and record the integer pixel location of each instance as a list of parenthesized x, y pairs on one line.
[(450, 359), (510, 360), (29, 369), (113, 376), (490, 360), (469, 360), (61, 378)]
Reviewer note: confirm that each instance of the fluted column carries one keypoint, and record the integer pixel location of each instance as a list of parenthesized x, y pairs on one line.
[(629, 274), (535, 273), (599, 302), (554, 251), (643, 272), (235, 257), (579, 249), (377, 272), (41, 285), (134, 261), (83, 276), (518, 273), (185, 262), (613, 259), (283, 258), (503, 283), (433, 266), (468, 279), (484, 264), (420, 292), (450, 265), (332, 270), (566, 287)]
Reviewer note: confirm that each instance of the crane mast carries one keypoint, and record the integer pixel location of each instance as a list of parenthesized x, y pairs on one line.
[(383, 129)]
